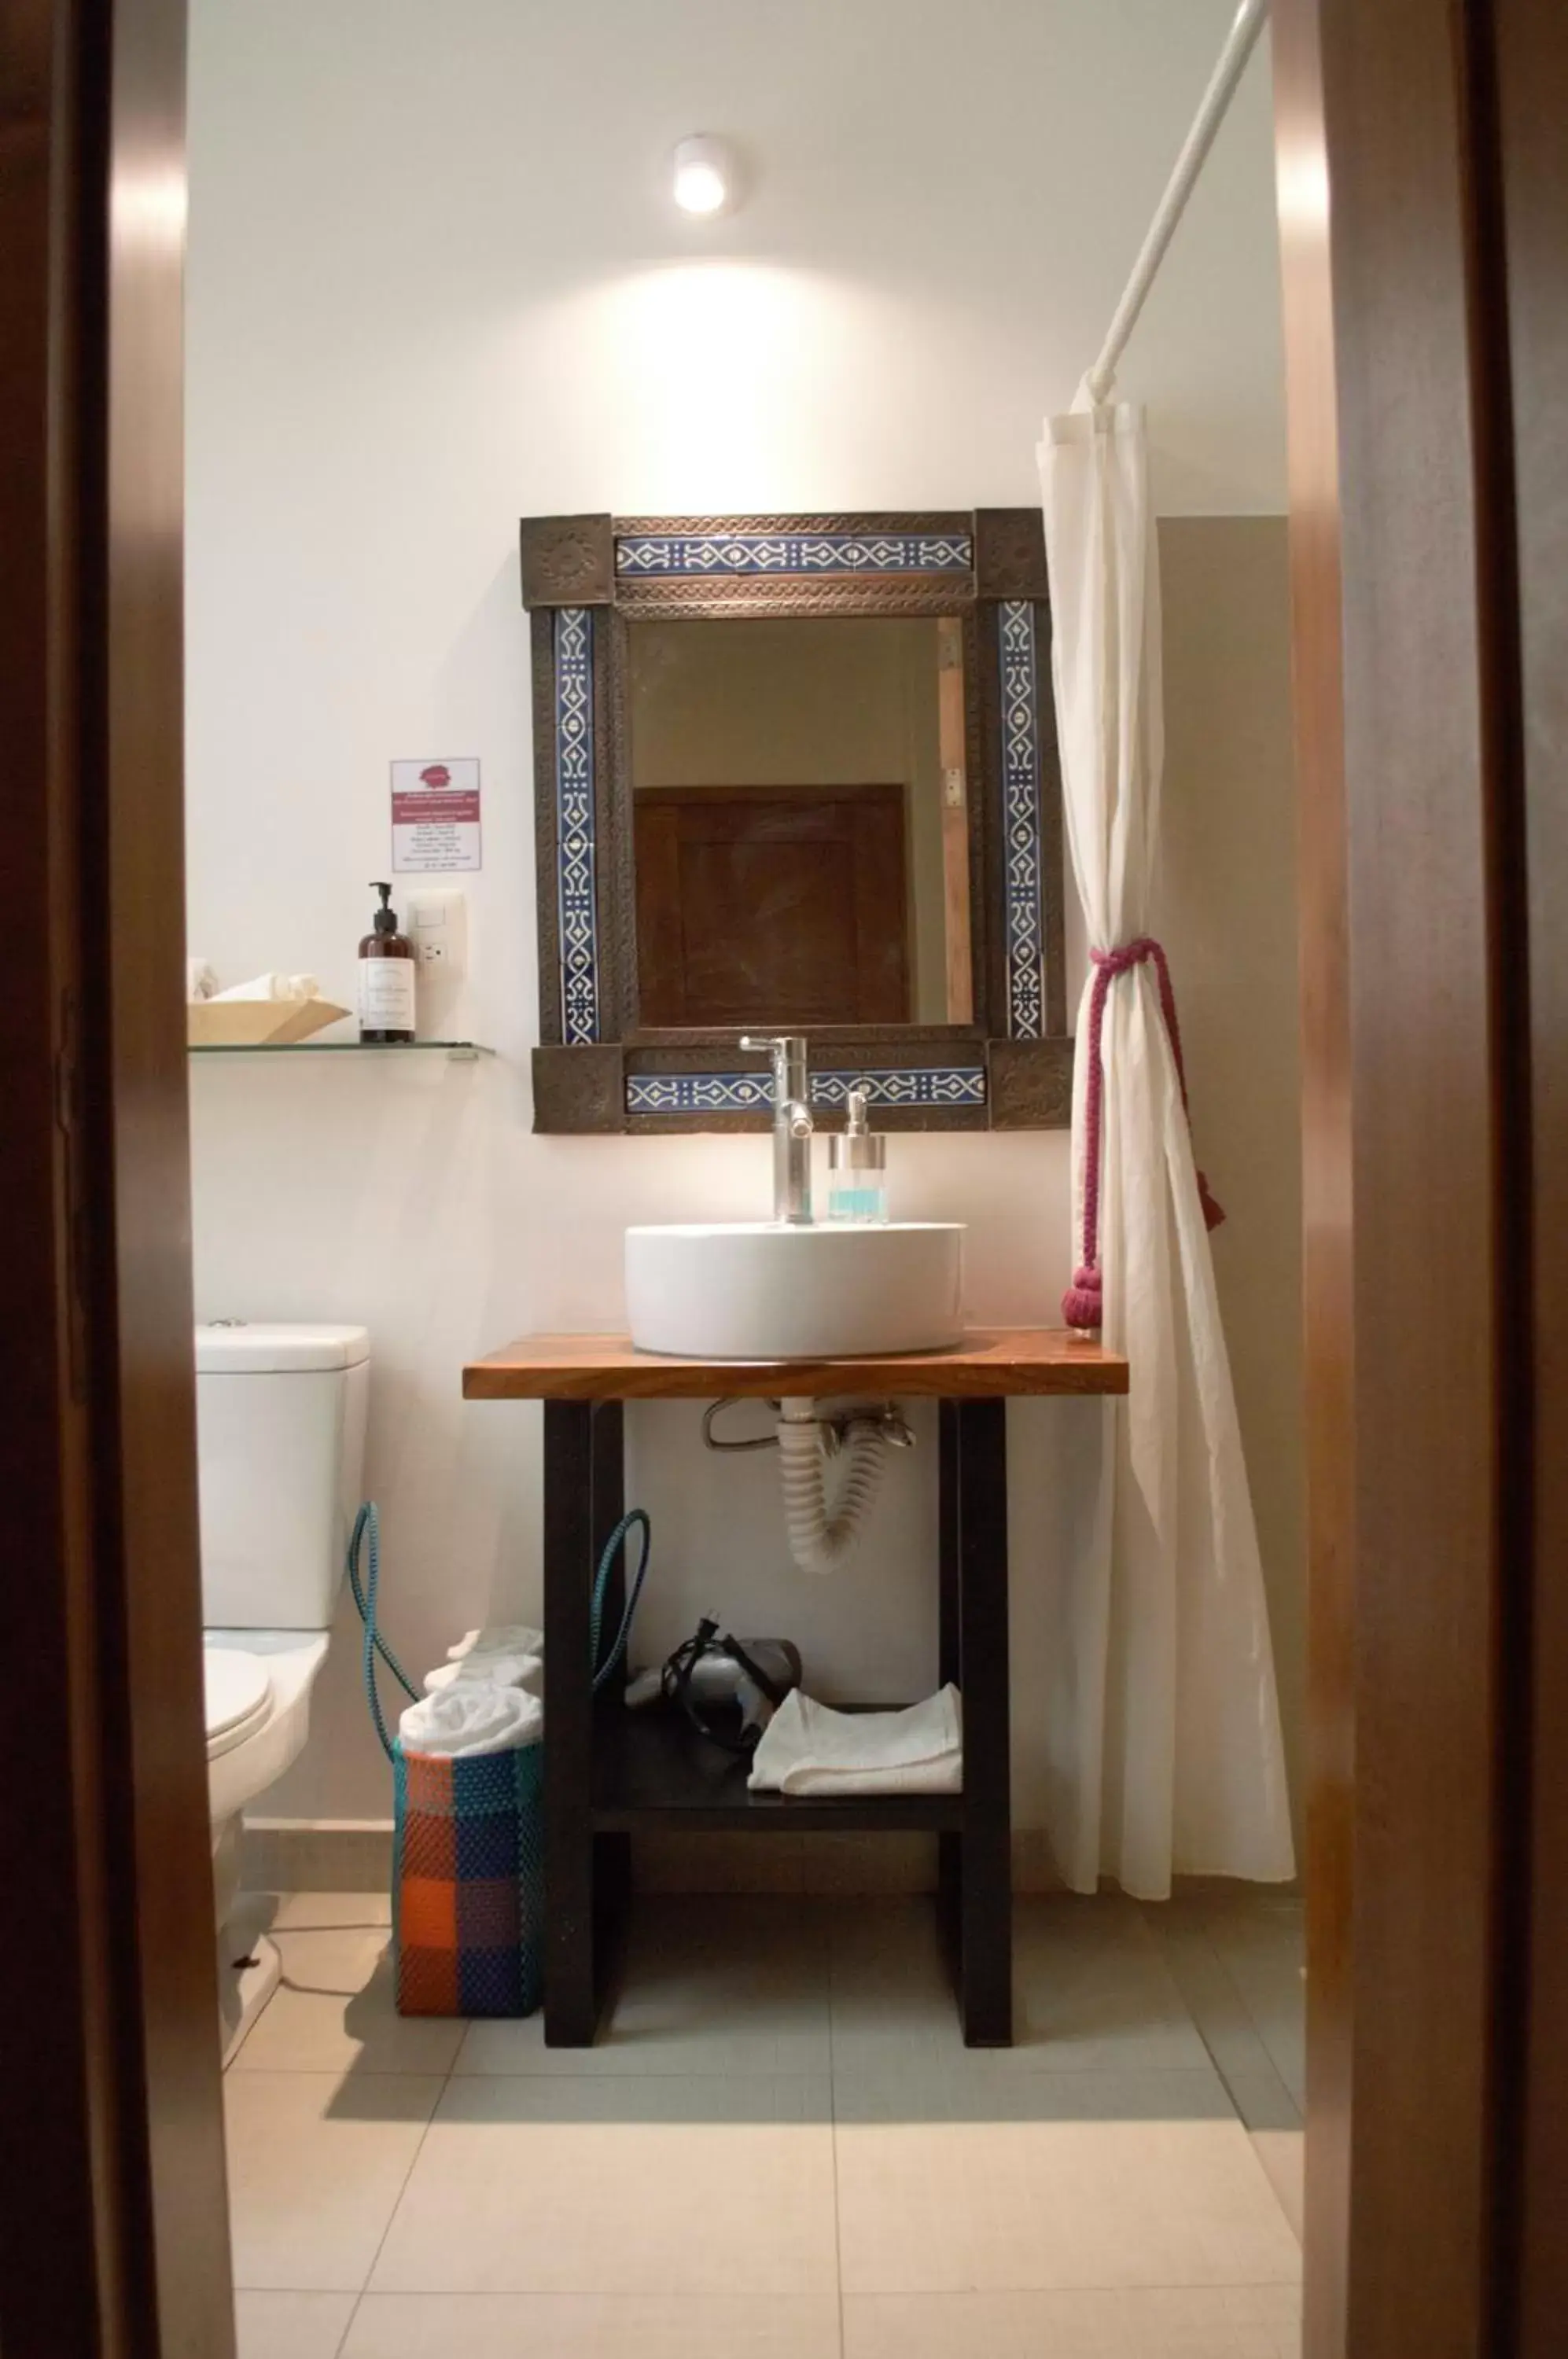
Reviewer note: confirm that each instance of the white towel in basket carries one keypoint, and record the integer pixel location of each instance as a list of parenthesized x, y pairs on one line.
[(474, 1717), (501, 1671), (498, 1638)]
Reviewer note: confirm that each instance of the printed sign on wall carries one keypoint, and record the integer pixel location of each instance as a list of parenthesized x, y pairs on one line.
[(435, 817)]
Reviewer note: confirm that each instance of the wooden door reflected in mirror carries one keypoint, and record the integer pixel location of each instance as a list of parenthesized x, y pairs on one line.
[(800, 829)]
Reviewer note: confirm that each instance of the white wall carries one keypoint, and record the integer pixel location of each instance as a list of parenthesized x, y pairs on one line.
[(435, 285)]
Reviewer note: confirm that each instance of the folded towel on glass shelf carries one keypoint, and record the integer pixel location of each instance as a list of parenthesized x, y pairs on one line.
[(271, 986)]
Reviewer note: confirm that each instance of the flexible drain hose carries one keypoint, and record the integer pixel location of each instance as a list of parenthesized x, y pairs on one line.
[(821, 1543)]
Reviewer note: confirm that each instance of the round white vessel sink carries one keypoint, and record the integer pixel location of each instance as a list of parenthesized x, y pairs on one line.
[(761, 1291)]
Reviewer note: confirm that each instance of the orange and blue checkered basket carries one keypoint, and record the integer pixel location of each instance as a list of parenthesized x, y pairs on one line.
[(467, 1850), (468, 1890), (468, 1882)]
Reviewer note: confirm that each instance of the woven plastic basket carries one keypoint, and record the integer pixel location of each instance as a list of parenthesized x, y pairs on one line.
[(468, 1882), (468, 1893)]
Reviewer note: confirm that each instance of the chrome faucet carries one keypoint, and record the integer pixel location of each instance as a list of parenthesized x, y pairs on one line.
[(791, 1127)]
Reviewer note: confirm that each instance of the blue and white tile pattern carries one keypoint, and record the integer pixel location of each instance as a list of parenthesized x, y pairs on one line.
[(680, 556), (577, 909), (888, 1085), (1021, 819)]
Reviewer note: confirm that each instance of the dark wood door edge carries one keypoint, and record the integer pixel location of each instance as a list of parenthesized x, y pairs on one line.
[(1527, 95), (113, 2230), (1415, 1025)]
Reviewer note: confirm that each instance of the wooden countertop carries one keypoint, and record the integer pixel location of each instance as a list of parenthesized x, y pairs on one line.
[(991, 1363)]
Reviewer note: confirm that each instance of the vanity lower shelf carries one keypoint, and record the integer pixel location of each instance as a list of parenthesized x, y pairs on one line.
[(651, 1768)]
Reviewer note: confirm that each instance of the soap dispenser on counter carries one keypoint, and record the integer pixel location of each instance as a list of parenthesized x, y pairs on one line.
[(387, 965), (857, 1168)]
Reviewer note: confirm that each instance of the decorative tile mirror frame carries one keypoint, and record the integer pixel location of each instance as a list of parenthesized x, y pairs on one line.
[(586, 579)]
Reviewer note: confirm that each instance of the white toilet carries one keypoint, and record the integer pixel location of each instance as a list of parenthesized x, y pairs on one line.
[(280, 1449)]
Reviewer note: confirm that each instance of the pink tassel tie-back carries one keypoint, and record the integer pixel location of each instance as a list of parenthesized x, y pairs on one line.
[(1081, 1305)]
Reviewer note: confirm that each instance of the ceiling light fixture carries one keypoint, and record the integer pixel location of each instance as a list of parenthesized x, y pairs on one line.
[(704, 174)]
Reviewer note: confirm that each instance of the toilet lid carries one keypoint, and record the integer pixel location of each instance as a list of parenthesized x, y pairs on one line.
[(239, 1698)]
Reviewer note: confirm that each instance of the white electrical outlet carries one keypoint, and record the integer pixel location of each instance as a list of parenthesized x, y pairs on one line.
[(438, 925)]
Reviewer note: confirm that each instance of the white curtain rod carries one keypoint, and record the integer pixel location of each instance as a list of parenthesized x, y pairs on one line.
[(1239, 44)]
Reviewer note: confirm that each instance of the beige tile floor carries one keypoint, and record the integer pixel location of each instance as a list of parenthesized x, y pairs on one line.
[(784, 2148)]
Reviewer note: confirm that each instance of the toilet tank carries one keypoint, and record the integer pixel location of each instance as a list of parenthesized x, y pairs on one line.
[(281, 1450)]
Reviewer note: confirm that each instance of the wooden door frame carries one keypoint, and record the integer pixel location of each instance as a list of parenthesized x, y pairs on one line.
[(1530, 88), (113, 2228), (1434, 860), (1429, 735)]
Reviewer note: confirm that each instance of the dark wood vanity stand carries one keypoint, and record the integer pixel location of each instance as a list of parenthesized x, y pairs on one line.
[(609, 1772)]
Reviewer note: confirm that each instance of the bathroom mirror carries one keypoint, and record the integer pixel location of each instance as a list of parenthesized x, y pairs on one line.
[(796, 772)]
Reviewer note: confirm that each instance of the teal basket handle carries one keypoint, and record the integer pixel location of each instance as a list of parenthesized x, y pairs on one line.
[(635, 1521), (367, 1533), (367, 1526)]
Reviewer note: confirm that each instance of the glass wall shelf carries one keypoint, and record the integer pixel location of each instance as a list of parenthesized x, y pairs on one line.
[(459, 1051)]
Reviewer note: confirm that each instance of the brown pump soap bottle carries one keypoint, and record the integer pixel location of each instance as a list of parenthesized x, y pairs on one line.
[(388, 962)]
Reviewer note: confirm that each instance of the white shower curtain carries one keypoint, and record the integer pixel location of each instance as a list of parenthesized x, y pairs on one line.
[(1164, 1722)]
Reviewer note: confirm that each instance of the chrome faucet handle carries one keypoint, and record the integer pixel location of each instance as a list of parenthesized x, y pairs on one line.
[(788, 1052), (780, 1046)]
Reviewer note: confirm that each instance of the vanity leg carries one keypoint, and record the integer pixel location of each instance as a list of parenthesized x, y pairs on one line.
[(986, 1871), (570, 2009), (611, 1853), (949, 1847)]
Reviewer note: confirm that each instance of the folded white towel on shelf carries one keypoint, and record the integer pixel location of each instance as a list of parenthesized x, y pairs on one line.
[(501, 1671), (498, 1638), (473, 1717), (807, 1748), (272, 986)]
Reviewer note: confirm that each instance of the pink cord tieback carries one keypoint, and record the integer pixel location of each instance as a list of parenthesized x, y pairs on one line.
[(1082, 1303)]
